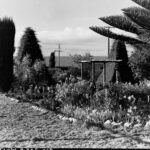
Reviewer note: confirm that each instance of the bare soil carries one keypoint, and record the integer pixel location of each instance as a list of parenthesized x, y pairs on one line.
[(22, 126)]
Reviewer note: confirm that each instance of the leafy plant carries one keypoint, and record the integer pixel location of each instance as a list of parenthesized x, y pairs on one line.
[(42, 76)]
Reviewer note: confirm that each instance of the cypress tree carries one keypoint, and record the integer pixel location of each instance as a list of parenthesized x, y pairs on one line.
[(118, 52), (123, 67), (7, 35), (29, 45), (52, 60)]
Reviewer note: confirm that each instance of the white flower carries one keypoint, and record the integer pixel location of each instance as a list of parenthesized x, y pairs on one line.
[(129, 98), (138, 125), (129, 110), (116, 124), (127, 125), (70, 119), (60, 116), (74, 120), (64, 118), (147, 124), (94, 111), (132, 96), (108, 122), (124, 96), (88, 117)]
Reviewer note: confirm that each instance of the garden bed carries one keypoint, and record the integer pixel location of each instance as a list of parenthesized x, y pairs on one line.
[(21, 126)]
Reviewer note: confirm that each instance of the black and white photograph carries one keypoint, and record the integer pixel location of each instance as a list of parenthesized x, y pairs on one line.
[(75, 74)]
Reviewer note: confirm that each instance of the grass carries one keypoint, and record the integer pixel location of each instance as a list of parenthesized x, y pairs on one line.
[(21, 126)]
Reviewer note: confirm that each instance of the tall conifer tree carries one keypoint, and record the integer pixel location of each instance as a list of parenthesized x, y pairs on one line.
[(7, 35), (29, 45)]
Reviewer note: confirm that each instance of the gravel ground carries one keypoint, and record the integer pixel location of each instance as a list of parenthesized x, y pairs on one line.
[(22, 126)]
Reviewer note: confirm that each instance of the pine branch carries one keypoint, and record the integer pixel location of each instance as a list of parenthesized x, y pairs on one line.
[(122, 23), (110, 34), (139, 16), (143, 3)]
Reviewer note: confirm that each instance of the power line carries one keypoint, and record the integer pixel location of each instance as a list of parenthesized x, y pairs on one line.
[(59, 51)]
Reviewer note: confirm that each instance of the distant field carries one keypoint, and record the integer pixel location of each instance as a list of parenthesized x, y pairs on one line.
[(67, 61)]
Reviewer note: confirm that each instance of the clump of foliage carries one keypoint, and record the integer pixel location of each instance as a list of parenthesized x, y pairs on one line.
[(29, 45), (24, 72), (7, 35), (119, 102), (75, 71), (77, 58), (140, 64), (72, 94), (37, 74), (42, 75)]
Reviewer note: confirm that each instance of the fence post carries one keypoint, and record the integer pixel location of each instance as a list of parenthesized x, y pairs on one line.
[(104, 74), (81, 70), (93, 72)]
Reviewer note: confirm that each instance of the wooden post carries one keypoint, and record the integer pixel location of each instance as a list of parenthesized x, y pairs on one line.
[(117, 78), (59, 53), (104, 73), (93, 71), (117, 73), (108, 46)]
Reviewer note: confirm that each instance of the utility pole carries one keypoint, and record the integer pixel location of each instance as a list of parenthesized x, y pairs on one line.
[(58, 50), (107, 27)]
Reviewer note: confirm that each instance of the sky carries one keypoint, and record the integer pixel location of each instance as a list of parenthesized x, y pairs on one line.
[(63, 21)]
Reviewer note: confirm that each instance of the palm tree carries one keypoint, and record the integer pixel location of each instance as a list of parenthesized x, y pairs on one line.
[(135, 20)]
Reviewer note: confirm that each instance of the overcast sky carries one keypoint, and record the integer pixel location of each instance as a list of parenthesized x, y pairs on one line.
[(63, 21)]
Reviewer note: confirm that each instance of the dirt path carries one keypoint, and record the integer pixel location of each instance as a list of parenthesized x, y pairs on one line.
[(21, 126)]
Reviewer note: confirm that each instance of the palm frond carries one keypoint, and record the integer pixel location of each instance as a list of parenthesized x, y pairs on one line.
[(145, 37), (122, 23), (143, 3), (139, 16), (106, 32)]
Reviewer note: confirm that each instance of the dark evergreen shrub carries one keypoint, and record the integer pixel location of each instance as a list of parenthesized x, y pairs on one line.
[(52, 60), (7, 35), (125, 73), (29, 45)]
